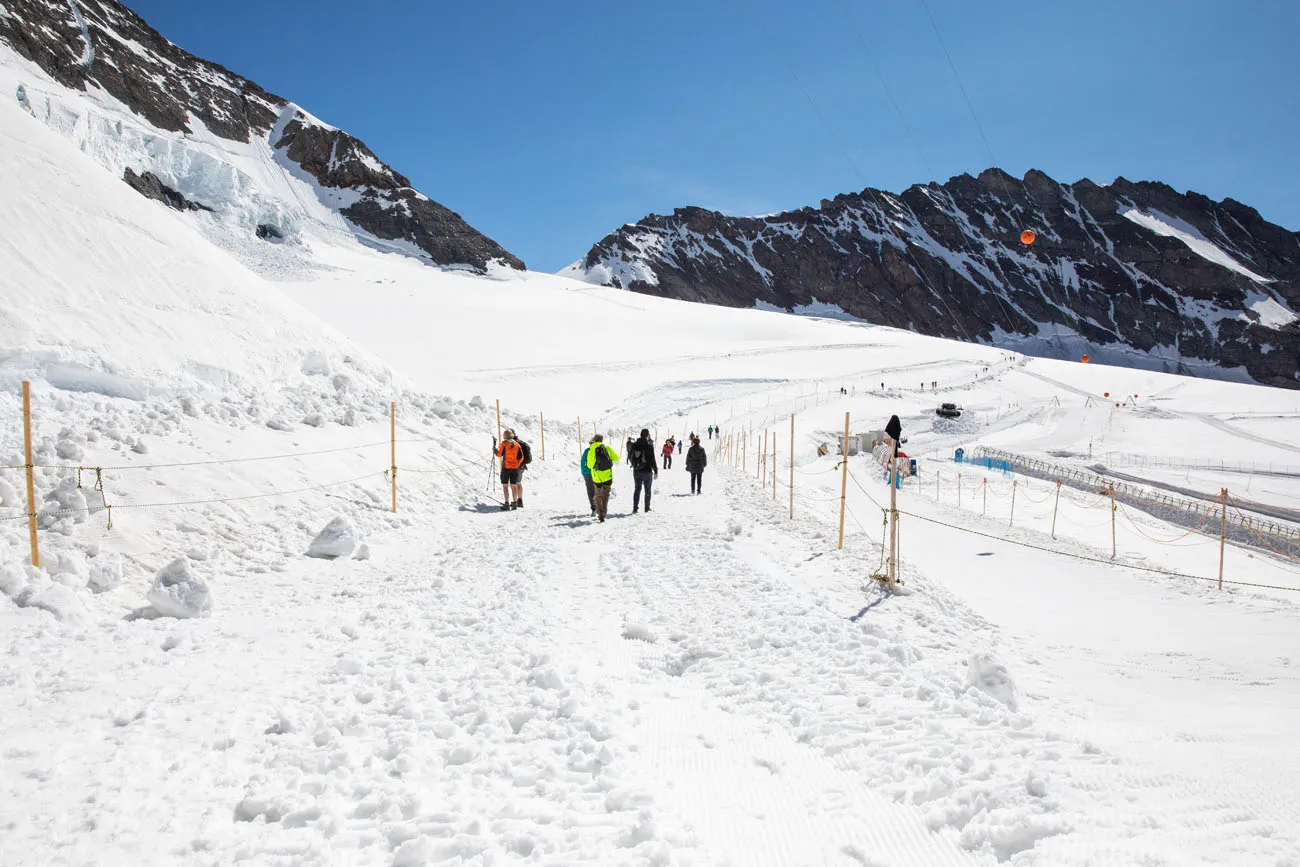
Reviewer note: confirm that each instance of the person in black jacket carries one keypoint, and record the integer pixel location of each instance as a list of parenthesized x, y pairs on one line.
[(645, 469), (696, 461)]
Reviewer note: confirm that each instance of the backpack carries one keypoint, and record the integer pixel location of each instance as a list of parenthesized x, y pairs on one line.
[(603, 463), (528, 453), (642, 455)]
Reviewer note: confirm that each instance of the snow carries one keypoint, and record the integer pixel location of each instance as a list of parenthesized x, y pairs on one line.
[(1173, 227), (337, 539), (88, 53), (1272, 313), (710, 683), (178, 591)]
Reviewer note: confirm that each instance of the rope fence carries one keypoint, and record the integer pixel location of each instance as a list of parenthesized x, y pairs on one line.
[(1090, 493), (1251, 531)]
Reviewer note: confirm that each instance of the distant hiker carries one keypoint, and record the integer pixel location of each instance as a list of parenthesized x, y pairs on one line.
[(679, 444), (513, 460), (600, 460), (630, 441), (934, 383), (645, 469), (710, 431), (669, 448), (586, 476), (696, 461)]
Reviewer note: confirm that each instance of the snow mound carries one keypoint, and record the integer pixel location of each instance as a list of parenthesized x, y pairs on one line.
[(32, 587), (338, 539), (179, 592), (986, 673)]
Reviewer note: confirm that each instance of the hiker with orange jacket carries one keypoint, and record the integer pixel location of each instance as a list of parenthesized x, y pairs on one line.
[(513, 454)]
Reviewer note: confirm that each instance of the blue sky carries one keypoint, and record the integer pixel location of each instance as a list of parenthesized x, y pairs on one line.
[(548, 125)]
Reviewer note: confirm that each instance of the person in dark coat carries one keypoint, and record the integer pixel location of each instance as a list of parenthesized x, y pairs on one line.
[(696, 460), (645, 469)]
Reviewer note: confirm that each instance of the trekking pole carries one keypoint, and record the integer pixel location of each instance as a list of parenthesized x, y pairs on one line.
[(492, 463)]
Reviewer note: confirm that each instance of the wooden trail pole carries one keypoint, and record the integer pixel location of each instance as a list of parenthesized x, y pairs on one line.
[(791, 468), (892, 574), (844, 477), (31, 472), (1012, 521), (774, 465), (959, 490), (494, 457), (762, 463), (1112, 522), (744, 455), (392, 436), (1055, 506), (936, 486), (542, 416), (1222, 528), (984, 486), (580, 429)]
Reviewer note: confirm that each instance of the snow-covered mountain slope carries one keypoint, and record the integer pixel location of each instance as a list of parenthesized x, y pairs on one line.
[(108, 292), (1134, 274), (259, 174)]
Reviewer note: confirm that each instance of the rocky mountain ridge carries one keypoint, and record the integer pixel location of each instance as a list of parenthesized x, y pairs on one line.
[(1128, 273), (103, 49)]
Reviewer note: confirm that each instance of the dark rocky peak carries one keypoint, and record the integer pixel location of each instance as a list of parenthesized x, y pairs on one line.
[(335, 158), (82, 41), (1129, 272), (101, 43)]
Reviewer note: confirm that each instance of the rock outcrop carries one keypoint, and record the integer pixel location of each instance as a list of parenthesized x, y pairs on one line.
[(1131, 273), (101, 44)]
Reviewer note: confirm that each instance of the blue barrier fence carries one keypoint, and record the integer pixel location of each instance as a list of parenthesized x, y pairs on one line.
[(1001, 466)]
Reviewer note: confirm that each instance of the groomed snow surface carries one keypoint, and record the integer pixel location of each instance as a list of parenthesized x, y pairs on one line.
[(259, 663)]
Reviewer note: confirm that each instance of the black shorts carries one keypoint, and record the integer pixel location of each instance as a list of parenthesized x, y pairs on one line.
[(511, 477)]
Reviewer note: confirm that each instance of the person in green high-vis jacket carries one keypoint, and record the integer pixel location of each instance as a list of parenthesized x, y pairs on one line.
[(601, 459), (586, 476)]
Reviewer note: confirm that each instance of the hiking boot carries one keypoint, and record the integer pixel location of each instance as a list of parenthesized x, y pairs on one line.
[(519, 503), (514, 505), (647, 508), (505, 507)]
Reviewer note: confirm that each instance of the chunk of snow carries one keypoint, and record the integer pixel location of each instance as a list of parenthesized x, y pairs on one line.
[(61, 601), (986, 673), (179, 592), (639, 632), (67, 497), (105, 572), (9, 496), (69, 567), (338, 539)]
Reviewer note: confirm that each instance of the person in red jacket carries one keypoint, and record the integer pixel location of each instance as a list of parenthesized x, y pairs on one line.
[(669, 447), (512, 471)]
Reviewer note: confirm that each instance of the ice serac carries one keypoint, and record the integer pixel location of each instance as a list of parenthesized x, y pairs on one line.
[(1136, 274), (103, 49)]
